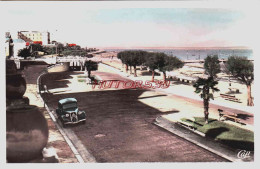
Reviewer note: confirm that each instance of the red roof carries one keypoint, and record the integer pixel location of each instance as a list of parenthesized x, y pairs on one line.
[(37, 42), (72, 44)]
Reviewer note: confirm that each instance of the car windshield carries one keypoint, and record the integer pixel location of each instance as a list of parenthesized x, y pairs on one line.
[(70, 105)]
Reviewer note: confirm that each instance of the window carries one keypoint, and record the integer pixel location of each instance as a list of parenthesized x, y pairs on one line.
[(70, 105)]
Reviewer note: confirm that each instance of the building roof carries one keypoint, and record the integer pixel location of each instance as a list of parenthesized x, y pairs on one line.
[(67, 100)]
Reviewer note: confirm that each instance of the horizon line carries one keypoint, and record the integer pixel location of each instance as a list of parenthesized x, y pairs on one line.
[(215, 47)]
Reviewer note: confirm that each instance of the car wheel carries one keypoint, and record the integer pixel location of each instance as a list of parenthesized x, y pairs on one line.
[(64, 125)]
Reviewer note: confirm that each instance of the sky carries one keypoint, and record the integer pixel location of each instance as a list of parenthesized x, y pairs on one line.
[(130, 26)]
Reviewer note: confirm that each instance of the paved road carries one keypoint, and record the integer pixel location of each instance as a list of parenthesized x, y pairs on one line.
[(120, 128)]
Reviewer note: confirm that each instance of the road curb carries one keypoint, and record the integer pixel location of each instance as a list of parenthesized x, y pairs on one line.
[(63, 133)]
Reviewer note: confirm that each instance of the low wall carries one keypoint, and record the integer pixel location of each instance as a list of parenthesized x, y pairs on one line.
[(62, 67)]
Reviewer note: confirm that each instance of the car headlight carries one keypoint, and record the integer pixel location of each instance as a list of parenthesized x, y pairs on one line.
[(67, 115)]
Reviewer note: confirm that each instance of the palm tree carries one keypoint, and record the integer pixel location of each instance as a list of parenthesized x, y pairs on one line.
[(91, 66), (206, 88)]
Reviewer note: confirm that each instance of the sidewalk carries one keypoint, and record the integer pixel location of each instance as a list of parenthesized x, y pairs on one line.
[(55, 141)]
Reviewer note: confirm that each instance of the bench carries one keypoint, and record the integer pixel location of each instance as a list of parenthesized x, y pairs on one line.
[(230, 98), (234, 100), (235, 90), (186, 124), (228, 115), (227, 96)]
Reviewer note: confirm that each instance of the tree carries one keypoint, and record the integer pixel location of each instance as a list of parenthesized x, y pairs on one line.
[(73, 50), (91, 66), (136, 58), (132, 58), (35, 48), (24, 53), (206, 88), (83, 53), (67, 52), (120, 56), (162, 62), (77, 47), (124, 57), (74, 53), (242, 69), (171, 63), (151, 63), (49, 50), (60, 48), (212, 66)]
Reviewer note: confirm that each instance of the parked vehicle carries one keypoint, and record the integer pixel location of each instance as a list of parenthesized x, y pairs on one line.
[(68, 112)]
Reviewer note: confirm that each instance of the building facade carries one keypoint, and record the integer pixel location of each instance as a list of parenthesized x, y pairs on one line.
[(42, 38)]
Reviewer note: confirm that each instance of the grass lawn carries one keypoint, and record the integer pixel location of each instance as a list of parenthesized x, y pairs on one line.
[(81, 80), (81, 76), (228, 134)]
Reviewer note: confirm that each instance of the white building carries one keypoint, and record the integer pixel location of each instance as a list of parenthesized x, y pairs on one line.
[(42, 38)]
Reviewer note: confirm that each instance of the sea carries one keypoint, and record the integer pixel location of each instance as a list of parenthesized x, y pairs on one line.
[(199, 54)]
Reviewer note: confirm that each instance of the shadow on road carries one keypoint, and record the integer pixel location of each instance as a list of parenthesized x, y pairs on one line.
[(57, 80), (126, 125)]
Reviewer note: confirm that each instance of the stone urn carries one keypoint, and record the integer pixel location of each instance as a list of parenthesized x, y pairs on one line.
[(15, 86), (26, 127), (11, 67), (15, 83), (26, 133)]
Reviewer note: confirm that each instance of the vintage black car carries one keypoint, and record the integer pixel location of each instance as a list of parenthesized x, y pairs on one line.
[(68, 112)]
